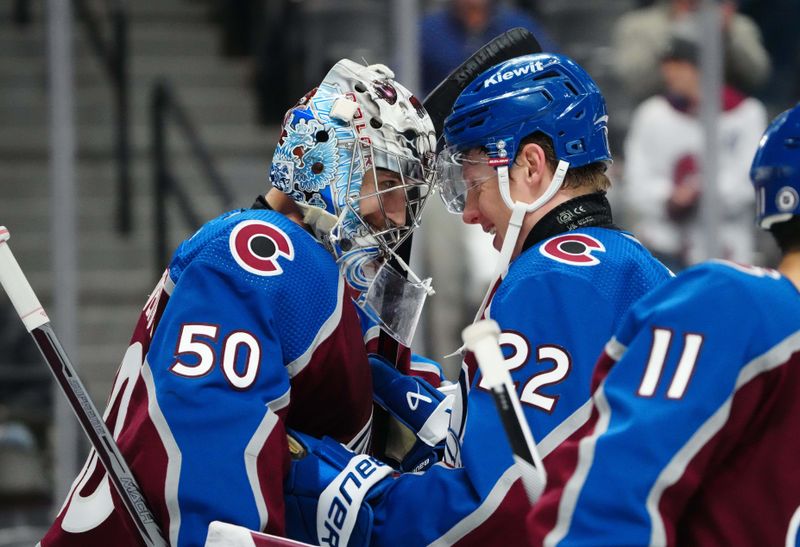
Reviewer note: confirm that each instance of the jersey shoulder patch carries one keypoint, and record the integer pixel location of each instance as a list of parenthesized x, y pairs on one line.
[(574, 249), (259, 247)]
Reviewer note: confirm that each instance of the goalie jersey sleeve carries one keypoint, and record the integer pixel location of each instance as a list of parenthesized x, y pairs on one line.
[(556, 310), (250, 330), (693, 438)]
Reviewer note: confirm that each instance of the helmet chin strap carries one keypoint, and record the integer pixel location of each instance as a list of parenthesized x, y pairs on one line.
[(320, 221), (518, 211)]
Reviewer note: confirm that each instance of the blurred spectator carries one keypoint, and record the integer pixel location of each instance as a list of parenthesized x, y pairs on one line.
[(640, 37), (663, 158), (455, 31)]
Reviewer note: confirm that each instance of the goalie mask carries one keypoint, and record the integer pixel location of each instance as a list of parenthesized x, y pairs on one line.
[(776, 170), (356, 155)]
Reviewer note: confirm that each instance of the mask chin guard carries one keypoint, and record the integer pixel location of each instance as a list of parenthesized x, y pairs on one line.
[(396, 302)]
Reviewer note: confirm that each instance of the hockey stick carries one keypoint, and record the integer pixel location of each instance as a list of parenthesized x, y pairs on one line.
[(513, 43), (482, 338), (38, 325)]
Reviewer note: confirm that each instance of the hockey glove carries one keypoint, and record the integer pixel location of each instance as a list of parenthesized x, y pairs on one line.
[(329, 490), (421, 408)]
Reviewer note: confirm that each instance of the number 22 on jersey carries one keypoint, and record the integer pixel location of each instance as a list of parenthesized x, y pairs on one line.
[(530, 394)]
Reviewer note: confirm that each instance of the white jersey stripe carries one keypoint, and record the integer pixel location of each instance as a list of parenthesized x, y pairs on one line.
[(573, 487), (565, 429), (174, 456), (614, 349), (794, 528), (251, 452), (483, 511), (325, 331)]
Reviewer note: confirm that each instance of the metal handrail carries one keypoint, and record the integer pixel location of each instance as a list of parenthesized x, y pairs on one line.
[(166, 106), (113, 54)]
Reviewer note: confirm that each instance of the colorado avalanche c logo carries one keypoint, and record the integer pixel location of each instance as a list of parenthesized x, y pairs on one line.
[(574, 249), (256, 246)]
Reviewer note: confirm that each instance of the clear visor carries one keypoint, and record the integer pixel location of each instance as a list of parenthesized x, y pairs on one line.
[(395, 303), (459, 172)]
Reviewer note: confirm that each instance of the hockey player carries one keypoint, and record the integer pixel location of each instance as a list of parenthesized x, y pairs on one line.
[(693, 437), (253, 327), (526, 158)]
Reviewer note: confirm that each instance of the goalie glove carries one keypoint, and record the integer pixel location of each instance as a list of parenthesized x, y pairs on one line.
[(328, 492), (422, 410)]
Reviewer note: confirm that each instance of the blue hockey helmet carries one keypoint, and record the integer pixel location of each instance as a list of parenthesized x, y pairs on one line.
[(543, 92), (776, 170)]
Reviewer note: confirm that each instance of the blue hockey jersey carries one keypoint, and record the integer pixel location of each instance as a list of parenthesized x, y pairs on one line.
[(693, 438), (558, 304), (251, 330)]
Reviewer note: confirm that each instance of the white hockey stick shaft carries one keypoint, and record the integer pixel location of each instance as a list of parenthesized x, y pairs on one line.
[(482, 338), (37, 323)]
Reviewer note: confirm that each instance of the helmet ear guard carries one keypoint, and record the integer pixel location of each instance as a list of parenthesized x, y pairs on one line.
[(775, 171)]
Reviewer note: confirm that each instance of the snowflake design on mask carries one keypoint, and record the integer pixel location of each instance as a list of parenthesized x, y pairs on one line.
[(313, 162)]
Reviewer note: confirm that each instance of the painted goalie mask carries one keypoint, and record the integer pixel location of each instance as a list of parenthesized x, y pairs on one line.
[(356, 155)]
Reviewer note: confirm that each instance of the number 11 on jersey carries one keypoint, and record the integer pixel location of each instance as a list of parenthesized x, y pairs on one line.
[(659, 350)]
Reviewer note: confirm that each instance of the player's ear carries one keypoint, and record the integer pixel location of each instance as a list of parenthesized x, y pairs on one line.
[(531, 164)]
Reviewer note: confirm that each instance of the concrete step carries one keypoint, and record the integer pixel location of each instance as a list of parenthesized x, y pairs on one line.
[(149, 11), (245, 173), (139, 12), (160, 37), (33, 80), (188, 70), (107, 286), (96, 141), (95, 220), (109, 325), (228, 103)]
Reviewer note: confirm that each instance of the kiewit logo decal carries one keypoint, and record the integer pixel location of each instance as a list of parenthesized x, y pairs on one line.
[(500, 76), (256, 246), (574, 249)]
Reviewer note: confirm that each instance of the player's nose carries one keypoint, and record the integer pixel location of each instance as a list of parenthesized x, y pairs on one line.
[(395, 208), (470, 214)]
